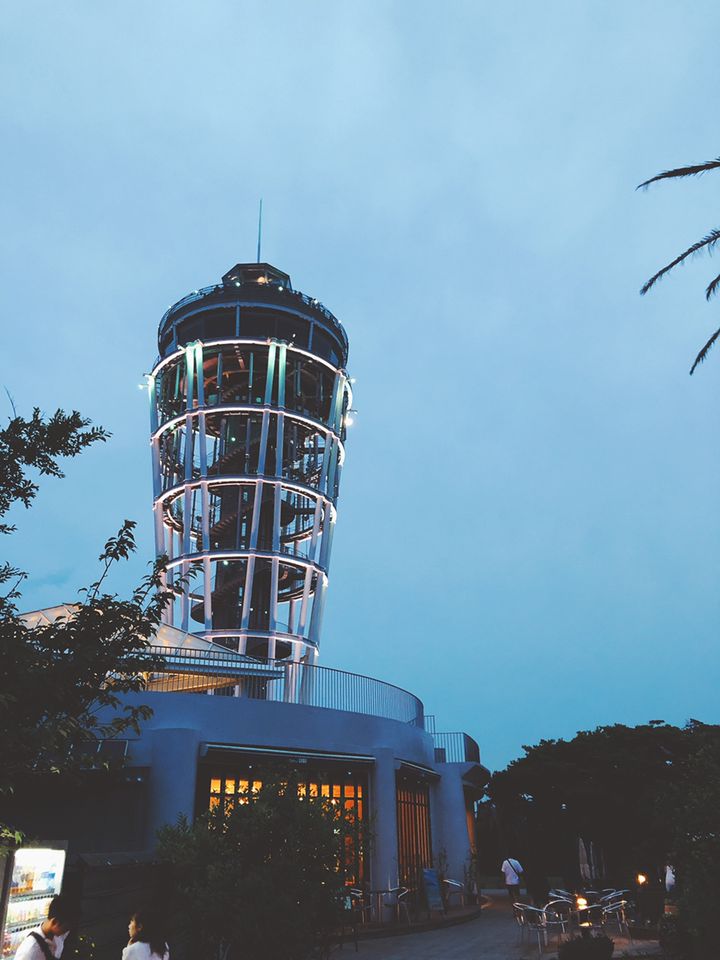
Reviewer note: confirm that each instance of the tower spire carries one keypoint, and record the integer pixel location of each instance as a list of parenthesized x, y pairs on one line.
[(259, 231)]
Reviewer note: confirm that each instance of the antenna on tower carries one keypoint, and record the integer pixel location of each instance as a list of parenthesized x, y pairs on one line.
[(259, 231)]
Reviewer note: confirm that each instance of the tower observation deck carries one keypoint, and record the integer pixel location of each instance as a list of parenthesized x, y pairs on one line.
[(249, 403)]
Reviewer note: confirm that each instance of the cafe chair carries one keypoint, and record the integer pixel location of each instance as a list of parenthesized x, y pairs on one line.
[(397, 899), (558, 915), (532, 920), (454, 888), (616, 912), (593, 915), (361, 904)]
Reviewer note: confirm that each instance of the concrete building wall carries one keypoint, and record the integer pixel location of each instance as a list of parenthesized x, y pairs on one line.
[(175, 738)]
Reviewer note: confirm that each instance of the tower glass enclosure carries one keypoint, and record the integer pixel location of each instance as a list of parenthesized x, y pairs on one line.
[(249, 404)]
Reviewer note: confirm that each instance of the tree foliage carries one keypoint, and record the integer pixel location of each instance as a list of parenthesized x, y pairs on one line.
[(262, 879), (705, 245), (38, 443), (692, 808), (607, 785), (56, 677), (647, 795)]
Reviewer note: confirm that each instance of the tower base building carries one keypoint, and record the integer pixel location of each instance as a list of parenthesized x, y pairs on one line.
[(250, 399)]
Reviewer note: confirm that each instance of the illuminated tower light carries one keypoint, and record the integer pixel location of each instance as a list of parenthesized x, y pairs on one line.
[(249, 405)]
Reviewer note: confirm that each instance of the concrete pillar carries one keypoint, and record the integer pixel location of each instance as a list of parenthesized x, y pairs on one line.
[(172, 778), (384, 823), (451, 817)]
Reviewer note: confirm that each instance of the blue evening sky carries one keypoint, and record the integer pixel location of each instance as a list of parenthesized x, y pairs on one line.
[(529, 534)]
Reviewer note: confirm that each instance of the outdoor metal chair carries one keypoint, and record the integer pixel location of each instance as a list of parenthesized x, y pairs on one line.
[(519, 915), (617, 894), (592, 896), (397, 899), (558, 915), (608, 895), (591, 915), (532, 920), (616, 912), (361, 904), (558, 894), (455, 888)]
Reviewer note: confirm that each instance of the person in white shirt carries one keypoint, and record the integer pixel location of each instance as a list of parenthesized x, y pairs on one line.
[(512, 871), (146, 939), (46, 942)]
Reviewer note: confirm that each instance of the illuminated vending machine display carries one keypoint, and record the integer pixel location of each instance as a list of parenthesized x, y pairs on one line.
[(35, 876)]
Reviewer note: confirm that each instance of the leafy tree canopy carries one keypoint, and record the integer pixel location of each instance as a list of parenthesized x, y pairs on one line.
[(608, 785), (263, 879), (56, 677), (38, 443)]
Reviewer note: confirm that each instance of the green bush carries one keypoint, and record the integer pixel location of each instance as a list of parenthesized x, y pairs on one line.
[(587, 948), (674, 939)]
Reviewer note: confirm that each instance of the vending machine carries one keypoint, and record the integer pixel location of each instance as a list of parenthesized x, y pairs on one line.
[(33, 875)]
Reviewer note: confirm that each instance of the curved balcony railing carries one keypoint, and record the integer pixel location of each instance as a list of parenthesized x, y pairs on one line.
[(281, 681), (455, 748), (222, 289)]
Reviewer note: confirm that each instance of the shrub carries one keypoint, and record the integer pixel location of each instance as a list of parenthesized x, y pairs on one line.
[(587, 948), (674, 939)]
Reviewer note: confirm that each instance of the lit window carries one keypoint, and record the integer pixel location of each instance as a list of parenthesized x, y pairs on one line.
[(215, 786)]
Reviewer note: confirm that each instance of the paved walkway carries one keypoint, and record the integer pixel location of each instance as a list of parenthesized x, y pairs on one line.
[(493, 936)]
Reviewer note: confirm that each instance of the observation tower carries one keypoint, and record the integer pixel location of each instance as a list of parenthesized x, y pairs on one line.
[(249, 404)]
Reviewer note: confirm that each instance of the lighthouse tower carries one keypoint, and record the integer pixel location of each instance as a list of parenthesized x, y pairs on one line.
[(249, 405)]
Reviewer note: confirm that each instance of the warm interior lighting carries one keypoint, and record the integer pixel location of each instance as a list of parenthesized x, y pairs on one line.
[(581, 902), (641, 878)]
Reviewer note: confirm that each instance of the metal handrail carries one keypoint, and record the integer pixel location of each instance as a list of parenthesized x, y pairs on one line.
[(220, 287), (281, 681), (455, 748)]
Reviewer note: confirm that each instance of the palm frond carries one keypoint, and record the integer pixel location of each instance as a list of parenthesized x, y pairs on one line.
[(712, 288), (706, 243), (705, 350), (694, 171)]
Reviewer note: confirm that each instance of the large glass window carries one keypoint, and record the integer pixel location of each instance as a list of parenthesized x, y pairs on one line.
[(326, 346), (224, 787), (414, 840)]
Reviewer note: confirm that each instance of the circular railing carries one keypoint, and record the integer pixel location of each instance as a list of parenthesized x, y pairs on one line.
[(281, 681)]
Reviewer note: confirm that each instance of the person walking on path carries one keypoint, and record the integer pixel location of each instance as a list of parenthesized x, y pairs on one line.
[(512, 871), (46, 942), (147, 941)]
